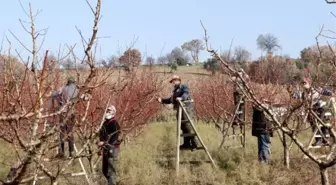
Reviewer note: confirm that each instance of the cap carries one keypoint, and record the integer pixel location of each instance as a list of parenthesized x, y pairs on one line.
[(71, 79), (175, 77), (112, 109)]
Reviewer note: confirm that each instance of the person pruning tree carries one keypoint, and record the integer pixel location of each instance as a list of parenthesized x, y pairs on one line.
[(181, 92)]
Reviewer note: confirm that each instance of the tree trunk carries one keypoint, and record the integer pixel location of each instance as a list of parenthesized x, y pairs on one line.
[(286, 150), (324, 176), (213, 71)]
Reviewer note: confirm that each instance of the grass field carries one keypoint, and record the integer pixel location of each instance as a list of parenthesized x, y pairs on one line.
[(150, 160)]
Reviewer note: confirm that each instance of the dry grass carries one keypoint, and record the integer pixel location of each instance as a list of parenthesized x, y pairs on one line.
[(150, 160)]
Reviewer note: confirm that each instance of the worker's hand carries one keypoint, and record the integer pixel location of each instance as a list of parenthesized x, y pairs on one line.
[(159, 100), (101, 143), (179, 98)]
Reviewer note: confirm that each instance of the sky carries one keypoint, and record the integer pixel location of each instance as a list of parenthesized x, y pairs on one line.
[(162, 25)]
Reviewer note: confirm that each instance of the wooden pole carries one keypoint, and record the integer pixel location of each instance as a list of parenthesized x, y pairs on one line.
[(83, 167), (192, 124), (179, 117)]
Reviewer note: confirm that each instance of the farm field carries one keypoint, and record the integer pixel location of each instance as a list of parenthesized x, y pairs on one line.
[(150, 160)]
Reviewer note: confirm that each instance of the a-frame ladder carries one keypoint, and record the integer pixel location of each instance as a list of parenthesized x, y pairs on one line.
[(240, 118), (196, 134), (82, 173), (318, 134)]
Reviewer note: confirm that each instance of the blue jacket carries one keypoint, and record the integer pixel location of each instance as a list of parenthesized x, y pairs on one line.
[(180, 90)]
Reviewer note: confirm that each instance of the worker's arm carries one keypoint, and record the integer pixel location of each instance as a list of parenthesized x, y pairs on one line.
[(166, 100), (186, 92)]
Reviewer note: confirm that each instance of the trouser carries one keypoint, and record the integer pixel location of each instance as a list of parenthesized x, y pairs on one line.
[(66, 132), (240, 118), (109, 166), (263, 147), (187, 128)]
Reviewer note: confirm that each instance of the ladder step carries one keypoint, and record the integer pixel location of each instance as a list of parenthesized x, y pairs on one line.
[(240, 112), (321, 156), (238, 146), (314, 147), (319, 136), (188, 135), (185, 121), (197, 148), (236, 135)]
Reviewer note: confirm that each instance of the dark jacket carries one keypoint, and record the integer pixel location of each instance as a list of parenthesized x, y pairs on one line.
[(180, 90), (109, 133), (260, 123)]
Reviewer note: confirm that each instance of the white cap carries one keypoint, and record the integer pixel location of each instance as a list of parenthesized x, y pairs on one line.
[(112, 109)]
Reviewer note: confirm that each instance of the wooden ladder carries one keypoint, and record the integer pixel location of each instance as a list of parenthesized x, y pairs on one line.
[(196, 134), (241, 135), (70, 174), (317, 134)]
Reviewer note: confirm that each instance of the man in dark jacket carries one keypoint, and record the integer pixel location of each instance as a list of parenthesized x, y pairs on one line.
[(181, 92), (109, 142), (261, 128)]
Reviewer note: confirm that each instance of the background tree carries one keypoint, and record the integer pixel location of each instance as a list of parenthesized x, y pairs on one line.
[(268, 43), (241, 54), (68, 64), (177, 55), (130, 59), (194, 47), (162, 60), (227, 55), (150, 61), (112, 61), (311, 54), (212, 65)]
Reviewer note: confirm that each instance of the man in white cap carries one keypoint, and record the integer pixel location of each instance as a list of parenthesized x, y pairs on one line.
[(110, 144), (181, 92)]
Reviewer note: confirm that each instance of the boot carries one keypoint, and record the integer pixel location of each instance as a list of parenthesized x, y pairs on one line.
[(193, 145), (317, 142), (60, 156), (11, 174), (186, 143), (184, 147), (71, 154)]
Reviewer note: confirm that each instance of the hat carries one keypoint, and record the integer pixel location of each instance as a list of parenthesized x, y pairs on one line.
[(175, 77), (112, 109), (71, 79), (306, 80)]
